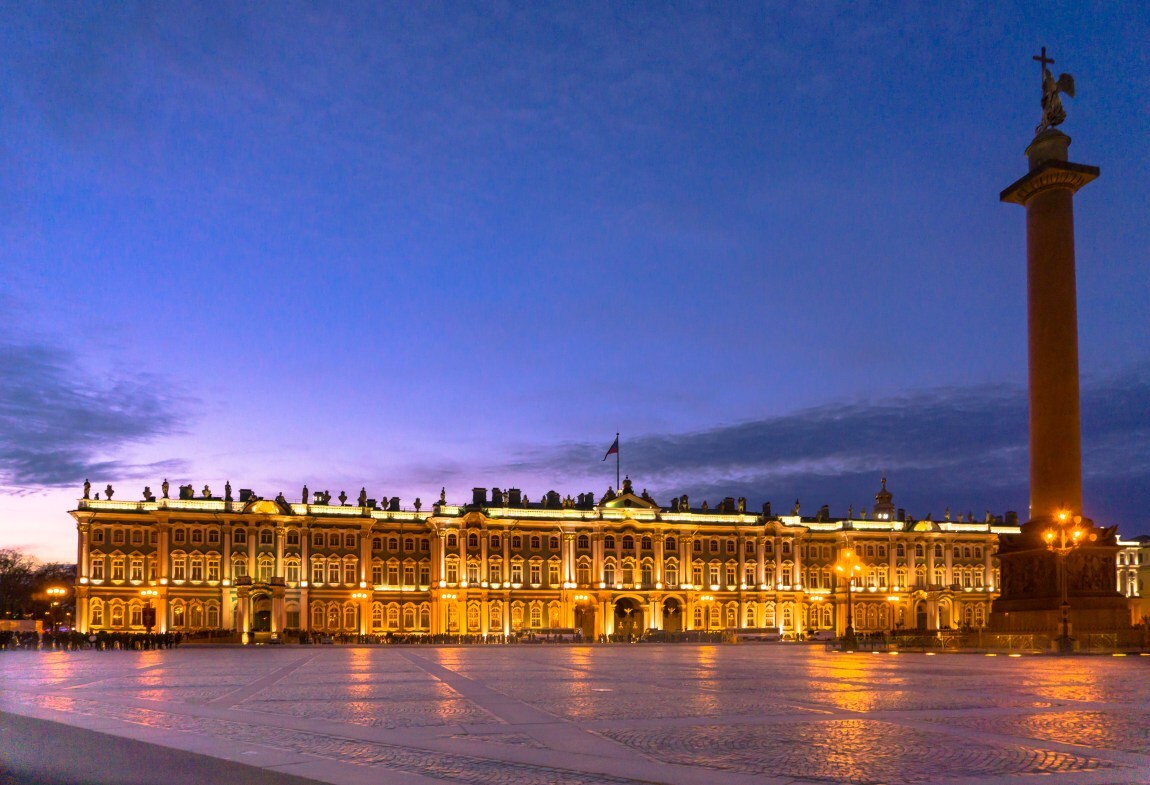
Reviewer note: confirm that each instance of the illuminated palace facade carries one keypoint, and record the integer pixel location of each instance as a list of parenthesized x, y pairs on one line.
[(619, 565)]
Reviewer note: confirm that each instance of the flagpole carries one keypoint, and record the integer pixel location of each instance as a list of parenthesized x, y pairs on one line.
[(617, 484)]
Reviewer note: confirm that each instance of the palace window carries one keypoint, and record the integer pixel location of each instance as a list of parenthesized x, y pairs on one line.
[(730, 574), (495, 572), (97, 564), (452, 540), (393, 616), (333, 569), (672, 574), (473, 571), (645, 543), (316, 539), (731, 546), (197, 571), (900, 551), (697, 546), (628, 542), (609, 542), (117, 615), (291, 573), (553, 573), (393, 544), (749, 574), (536, 573), (583, 573), (609, 573), (266, 537), (472, 540), (670, 544), (713, 546), (214, 537), (179, 568), (317, 616), (316, 571), (648, 574), (583, 542), (350, 571), (239, 567), (496, 542), (137, 569), (697, 574), (240, 537), (409, 544), (137, 536), (536, 615), (97, 537), (553, 543), (714, 574), (516, 571), (536, 543), (376, 574), (177, 536), (197, 537), (97, 614), (392, 574), (424, 574), (453, 571), (349, 540), (266, 567), (749, 546)]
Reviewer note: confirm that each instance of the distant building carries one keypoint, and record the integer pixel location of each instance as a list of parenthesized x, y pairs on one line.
[(618, 565)]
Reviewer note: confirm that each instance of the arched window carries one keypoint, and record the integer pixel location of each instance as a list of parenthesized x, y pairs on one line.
[(408, 544), (117, 615), (96, 609), (553, 543), (349, 617), (213, 616), (670, 544), (583, 542), (177, 614), (609, 542), (473, 617), (452, 540), (788, 616), (496, 617), (392, 616), (376, 616), (536, 542), (536, 614), (317, 615), (292, 537), (645, 543), (266, 537), (424, 617), (408, 616), (472, 540)]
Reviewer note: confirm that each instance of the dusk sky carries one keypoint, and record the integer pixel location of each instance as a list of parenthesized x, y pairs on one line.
[(406, 246)]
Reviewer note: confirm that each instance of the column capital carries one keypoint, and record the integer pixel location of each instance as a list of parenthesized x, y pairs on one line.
[(1046, 176)]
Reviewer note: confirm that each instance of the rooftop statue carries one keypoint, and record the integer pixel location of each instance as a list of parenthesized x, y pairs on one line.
[(87, 489), (1052, 112)]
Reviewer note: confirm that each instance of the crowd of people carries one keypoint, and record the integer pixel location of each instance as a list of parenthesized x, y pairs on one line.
[(100, 641)]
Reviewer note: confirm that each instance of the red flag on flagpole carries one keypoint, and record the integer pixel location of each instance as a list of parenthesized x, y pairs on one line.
[(613, 449)]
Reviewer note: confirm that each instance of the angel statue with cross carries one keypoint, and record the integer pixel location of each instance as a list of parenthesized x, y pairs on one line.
[(1052, 112)]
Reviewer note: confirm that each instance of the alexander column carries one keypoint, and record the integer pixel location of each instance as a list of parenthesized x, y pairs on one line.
[(1060, 561)]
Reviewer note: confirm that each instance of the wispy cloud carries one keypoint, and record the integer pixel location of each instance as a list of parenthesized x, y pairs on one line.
[(964, 448), (60, 424)]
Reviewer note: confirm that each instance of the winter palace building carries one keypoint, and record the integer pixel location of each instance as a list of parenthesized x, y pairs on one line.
[(618, 565)]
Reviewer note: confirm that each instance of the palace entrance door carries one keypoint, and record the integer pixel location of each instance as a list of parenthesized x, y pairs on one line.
[(628, 618), (672, 615)]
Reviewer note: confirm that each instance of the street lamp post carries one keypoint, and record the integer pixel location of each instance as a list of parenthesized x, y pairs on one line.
[(1062, 538), (847, 566), (149, 612), (707, 600), (359, 597), (55, 595)]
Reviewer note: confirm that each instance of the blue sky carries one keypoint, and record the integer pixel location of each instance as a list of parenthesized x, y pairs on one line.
[(411, 246)]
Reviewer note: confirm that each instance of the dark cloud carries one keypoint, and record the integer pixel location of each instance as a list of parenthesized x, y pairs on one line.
[(962, 448), (59, 424)]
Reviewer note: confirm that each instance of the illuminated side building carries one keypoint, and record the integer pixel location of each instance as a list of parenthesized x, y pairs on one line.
[(621, 564)]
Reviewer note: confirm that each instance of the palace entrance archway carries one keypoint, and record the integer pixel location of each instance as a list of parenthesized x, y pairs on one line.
[(628, 617)]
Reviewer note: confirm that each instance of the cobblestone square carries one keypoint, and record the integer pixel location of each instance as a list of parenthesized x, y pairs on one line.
[(673, 714)]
